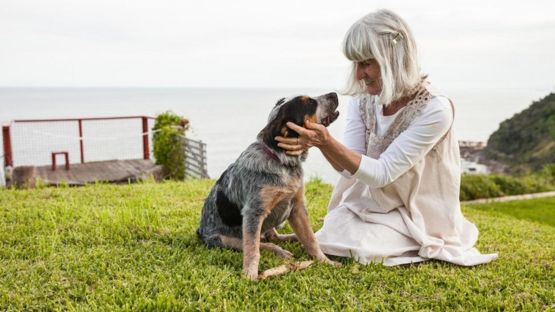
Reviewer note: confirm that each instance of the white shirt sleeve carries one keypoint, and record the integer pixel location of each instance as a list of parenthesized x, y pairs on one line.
[(354, 136), (409, 147)]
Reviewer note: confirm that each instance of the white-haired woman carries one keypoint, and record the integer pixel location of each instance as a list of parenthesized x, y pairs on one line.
[(397, 201)]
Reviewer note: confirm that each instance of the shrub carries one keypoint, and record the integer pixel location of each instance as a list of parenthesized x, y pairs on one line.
[(548, 173), (478, 186), (487, 186), (169, 129)]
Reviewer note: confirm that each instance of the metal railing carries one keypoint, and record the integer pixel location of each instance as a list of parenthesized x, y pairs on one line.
[(195, 159), (2, 173), (30, 141)]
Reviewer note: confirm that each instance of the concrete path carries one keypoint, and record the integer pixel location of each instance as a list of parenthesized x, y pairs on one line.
[(509, 198)]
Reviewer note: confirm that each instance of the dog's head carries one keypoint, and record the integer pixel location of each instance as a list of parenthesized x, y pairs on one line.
[(298, 109)]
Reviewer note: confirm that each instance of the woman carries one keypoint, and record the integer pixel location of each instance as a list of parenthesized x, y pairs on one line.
[(397, 201)]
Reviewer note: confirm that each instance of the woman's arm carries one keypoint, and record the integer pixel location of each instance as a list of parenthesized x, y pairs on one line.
[(343, 157), (339, 156), (410, 146), (354, 136), (407, 149)]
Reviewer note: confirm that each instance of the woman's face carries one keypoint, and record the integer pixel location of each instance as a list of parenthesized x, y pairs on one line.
[(369, 72)]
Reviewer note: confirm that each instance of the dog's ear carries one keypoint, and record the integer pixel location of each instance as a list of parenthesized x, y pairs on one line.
[(276, 127), (296, 111), (280, 101), (304, 108)]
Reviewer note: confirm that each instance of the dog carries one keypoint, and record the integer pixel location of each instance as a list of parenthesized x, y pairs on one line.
[(264, 187)]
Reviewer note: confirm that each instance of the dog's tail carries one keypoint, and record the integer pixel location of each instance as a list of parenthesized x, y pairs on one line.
[(210, 240)]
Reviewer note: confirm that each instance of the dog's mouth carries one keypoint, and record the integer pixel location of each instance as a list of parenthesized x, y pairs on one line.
[(330, 118)]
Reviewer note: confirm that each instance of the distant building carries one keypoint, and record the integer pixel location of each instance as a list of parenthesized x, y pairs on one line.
[(471, 157), (473, 167)]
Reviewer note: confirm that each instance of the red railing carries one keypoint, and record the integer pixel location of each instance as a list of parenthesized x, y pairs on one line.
[(8, 161), (8, 134)]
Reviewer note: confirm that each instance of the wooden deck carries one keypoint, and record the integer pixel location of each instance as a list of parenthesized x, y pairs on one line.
[(111, 171)]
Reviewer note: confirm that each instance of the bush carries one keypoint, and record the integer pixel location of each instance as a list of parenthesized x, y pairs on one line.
[(169, 129), (478, 186), (548, 173), (487, 186)]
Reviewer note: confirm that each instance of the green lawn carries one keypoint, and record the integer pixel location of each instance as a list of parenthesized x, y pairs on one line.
[(134, 247)]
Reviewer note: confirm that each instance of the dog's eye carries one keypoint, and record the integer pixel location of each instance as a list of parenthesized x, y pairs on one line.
[(281, 101)]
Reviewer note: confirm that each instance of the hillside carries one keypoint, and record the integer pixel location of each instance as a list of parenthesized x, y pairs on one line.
[(526, 141)]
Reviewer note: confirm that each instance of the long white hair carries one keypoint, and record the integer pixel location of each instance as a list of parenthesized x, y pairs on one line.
[(385, 37)]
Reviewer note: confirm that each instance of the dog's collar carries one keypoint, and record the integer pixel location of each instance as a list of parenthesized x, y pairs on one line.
[(269, 152)]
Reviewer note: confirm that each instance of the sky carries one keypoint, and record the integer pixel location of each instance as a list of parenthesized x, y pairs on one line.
[(265, 44)]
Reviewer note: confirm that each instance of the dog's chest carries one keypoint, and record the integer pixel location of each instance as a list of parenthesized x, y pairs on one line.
[(278, 203), (278, 215)]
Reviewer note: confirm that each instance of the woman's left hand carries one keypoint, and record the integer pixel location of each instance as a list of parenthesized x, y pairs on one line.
[(312, 135)]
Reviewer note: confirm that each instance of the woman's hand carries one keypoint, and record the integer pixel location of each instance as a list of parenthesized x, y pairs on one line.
[(312, 135)]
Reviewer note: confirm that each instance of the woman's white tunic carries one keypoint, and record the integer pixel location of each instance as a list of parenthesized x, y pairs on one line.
[(402, 205)]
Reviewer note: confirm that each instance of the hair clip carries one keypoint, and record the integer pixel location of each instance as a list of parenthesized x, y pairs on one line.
[(397, 36)]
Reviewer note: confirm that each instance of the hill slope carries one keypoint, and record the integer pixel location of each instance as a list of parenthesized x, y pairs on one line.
[(527, 140)]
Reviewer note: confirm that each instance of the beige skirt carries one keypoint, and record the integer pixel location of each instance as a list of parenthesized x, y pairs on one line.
[(388, 238)]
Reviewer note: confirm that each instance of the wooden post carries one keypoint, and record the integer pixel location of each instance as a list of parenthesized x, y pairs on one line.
[(203, 160), (146, 149), (8, 160), (81, 141)]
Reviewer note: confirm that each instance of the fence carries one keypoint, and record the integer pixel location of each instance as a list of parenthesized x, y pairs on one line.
[(31, 142), (195, 159), (2, 173)]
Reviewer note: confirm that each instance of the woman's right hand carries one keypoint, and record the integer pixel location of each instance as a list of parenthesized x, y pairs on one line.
[(312, 135)]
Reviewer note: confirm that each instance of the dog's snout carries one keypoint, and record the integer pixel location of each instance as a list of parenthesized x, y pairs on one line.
[(332, 96), (333, 99)]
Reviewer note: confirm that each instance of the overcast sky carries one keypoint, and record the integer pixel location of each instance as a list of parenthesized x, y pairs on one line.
[(277, 44)]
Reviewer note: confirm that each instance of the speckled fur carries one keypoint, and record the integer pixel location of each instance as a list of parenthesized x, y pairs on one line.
[(262, 174)]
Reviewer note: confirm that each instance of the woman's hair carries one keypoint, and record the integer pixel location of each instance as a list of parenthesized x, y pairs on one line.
[(385, 37)]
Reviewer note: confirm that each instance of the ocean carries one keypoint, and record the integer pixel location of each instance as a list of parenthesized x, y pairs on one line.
[(227, 120)]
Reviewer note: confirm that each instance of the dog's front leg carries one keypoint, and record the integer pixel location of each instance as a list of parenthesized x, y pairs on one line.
[(301, 226), (251, 245)]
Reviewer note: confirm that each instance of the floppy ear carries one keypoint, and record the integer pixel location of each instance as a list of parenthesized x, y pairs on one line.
[(277, 127), (301, 108), (293, 111), (280, 101)]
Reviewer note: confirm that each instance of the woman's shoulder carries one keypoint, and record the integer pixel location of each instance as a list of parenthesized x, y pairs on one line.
[(437, 111)]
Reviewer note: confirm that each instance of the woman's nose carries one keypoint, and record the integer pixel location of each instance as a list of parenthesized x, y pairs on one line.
[(360, 72)]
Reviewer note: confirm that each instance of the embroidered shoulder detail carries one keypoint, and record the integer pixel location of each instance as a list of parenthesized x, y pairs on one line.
[(376, 145), (366, 108), (367, 113)]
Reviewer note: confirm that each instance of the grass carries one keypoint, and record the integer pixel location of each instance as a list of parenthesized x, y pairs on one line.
[(134, 247)]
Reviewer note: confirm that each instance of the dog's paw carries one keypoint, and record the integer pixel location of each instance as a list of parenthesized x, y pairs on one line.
[(330, 262), (287, 238), (282, 253), (251, 274)]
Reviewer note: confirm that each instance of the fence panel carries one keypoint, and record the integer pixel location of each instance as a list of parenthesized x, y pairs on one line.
[(85, 139), (2, 173), (195, 159)]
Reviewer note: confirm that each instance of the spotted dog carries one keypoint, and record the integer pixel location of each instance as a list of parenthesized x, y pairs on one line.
[(264, 187)]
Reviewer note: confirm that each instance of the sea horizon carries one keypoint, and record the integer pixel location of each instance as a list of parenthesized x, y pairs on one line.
[(228, 119)]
